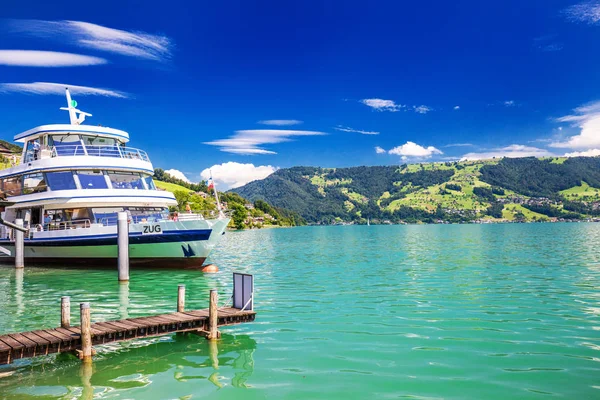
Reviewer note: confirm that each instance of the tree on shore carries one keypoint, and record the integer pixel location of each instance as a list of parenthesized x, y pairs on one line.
[(239, 216)]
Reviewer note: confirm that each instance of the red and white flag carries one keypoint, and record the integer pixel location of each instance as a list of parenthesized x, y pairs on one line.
[(211, 184)]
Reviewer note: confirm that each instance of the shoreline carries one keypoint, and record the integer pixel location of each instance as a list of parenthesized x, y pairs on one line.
[(413, 223)]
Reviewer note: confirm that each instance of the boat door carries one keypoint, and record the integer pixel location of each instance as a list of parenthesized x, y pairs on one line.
[(36, 216)]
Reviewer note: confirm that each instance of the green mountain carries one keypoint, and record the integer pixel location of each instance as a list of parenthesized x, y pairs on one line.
[(507, 189)]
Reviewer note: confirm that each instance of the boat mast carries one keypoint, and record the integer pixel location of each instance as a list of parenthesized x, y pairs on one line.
[(76, 116), (212, 181)]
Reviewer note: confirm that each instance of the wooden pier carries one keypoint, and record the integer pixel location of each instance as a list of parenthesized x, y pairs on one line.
[(75, 339)]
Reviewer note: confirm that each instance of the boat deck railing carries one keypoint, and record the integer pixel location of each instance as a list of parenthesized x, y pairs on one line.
[(87, 150), (174, 216), (8, 233)]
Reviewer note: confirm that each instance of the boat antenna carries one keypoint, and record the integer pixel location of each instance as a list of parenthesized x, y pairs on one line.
[(76, 116)]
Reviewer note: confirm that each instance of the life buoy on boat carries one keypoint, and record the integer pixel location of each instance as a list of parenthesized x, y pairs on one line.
[(39, 228)]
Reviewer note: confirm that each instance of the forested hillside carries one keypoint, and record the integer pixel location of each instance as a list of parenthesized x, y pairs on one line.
[(522, 189), (245, 214)]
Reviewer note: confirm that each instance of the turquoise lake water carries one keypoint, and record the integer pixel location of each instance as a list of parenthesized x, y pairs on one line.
[(349, 312)]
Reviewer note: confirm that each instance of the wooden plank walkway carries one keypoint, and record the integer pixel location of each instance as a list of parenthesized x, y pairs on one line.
[(58, 340)]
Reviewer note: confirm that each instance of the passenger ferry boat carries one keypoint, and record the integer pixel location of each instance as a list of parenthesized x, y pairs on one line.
[(69, 186)]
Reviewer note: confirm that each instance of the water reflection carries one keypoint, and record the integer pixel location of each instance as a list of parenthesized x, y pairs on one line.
[(19, 273), (138, 365), (124, 300), (85, 372), (213, 351)]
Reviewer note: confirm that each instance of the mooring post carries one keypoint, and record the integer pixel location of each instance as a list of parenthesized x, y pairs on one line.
[(65, 312), (180, 298), (213, 317), (123, 245), (19, 245), (86, 333)]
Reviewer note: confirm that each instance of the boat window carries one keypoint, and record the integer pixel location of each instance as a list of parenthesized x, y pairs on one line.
[(77, 215), (101, 146), (92, 180), (62, 140), (55, 216), (125, 180), (33, 150), (98, 141), (106, 215), (34, 183), (150, 183), (13, 186), (66, 145), (148, 214), (61, 180)]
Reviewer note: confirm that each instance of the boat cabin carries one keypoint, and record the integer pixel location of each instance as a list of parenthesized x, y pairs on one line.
[(81, 140)]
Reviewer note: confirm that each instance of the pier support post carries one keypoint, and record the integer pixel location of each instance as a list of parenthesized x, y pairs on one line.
[(19, 245), (213, 316), (65, 312), (86, 333), (123, 246), (180, 298)]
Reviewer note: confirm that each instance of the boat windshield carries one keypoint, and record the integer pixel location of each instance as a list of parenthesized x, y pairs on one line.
[(66, 144), (98, 141)]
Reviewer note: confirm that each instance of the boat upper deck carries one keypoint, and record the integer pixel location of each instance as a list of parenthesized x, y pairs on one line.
[(62, 140), (69, 129), (71, 149)]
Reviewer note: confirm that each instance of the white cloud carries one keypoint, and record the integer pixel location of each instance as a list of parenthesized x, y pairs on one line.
[(88, 35), (280, 122), (231, 175), (512, 151), (382, 105), (35, 58), (249, 141), (456, 107), (391, 106), (551, 47), (348, 129), (509, 103), (587, 12), (547, 43), (175, 173), (459, 145), (379, 150), (587, 118), (44, 88), (422, 109), (587, 153), (411, 149)]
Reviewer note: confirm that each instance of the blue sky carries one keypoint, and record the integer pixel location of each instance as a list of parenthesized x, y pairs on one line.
[(248, 87)]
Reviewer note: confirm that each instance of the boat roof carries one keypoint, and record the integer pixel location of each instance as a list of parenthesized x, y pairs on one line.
[(70, 128)]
